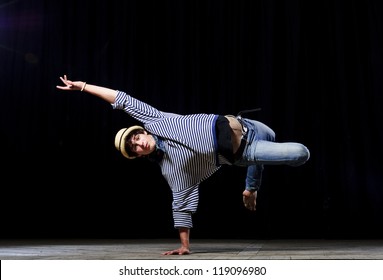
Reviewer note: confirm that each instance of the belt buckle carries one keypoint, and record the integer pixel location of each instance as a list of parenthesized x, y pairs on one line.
[(244, 127)]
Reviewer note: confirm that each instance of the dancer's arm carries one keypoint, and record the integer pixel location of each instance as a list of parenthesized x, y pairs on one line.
[(107, 94)]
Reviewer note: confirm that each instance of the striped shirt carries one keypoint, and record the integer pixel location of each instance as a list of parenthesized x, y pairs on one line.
[(190, 151)]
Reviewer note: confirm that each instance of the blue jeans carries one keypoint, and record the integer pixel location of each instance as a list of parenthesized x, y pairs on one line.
[(261, 149)]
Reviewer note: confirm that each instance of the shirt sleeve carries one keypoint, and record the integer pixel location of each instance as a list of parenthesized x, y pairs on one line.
[(119, 101), (185, 203), (254, 177), (136, 108), (182, 219)]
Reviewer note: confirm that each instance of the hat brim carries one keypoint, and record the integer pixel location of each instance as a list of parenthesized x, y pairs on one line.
[(120, 140)]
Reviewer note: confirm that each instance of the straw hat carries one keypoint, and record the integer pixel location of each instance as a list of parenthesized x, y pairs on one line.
[(120, 140)]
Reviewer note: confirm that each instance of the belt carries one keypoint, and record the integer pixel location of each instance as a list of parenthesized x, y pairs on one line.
[(239, 118), (243, 143)]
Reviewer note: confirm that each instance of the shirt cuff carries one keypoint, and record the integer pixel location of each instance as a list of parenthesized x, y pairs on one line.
[(182, 219), (120, 100), (252, 188)]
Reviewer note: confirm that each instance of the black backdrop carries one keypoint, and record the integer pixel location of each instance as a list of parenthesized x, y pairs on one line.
[(314, 67)]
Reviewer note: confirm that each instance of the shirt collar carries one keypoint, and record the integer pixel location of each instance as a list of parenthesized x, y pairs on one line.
[(158, 154)]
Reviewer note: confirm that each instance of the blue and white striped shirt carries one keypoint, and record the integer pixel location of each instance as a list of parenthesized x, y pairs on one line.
[(190, 151)]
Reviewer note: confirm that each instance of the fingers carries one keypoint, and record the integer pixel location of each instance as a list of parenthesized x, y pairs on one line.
[(250, 207), (65, 80), (177, 252), (173, 252), (68, 84)]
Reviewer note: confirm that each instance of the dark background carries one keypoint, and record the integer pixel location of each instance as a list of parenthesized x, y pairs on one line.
[(314, 67)]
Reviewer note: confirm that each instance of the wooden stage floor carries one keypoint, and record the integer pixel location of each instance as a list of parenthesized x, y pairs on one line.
[(141, 249)]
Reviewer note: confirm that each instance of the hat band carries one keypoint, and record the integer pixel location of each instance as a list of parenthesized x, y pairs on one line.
[(122, 137)]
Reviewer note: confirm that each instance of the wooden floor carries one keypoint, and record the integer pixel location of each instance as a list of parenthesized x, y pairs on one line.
[(125, 249)]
